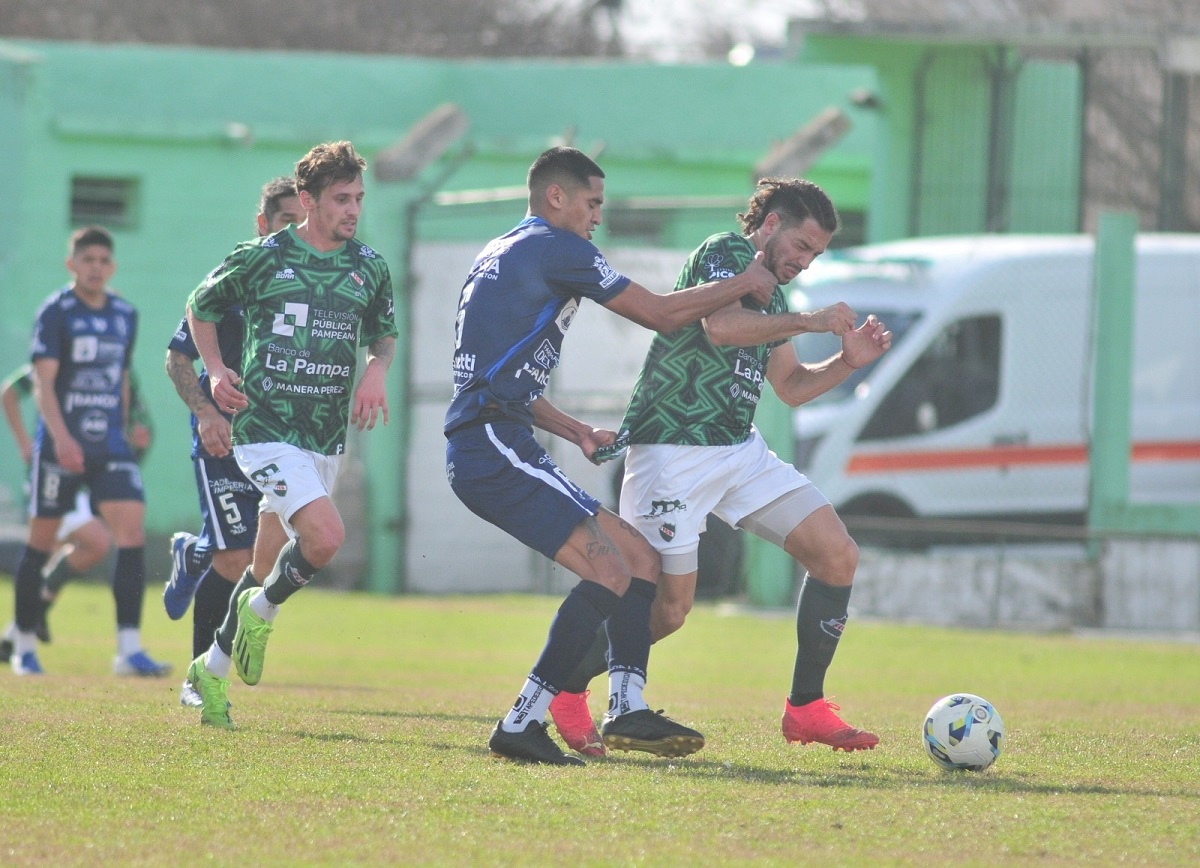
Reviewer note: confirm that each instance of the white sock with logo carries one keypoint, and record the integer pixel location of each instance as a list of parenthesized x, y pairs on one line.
[(533, 704), (625, 692), (264, 608)]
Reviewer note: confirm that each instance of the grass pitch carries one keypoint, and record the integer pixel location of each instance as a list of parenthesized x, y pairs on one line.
[(366, 744)]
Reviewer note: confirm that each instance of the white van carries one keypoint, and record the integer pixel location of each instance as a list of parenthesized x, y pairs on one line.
[(981, 409)]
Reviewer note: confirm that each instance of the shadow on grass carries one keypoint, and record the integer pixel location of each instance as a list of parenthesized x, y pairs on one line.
[(883, 777)]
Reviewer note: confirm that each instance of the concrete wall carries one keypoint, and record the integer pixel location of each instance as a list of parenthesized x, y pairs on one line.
[(1150, 586)]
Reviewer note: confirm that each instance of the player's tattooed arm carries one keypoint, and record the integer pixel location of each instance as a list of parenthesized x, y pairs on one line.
[(382, 349), (183, 376)]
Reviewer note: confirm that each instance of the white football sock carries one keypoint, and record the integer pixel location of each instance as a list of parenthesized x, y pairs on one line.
[(129, 641), (531, 705), (264, 608), (217, 661), (625, 692)]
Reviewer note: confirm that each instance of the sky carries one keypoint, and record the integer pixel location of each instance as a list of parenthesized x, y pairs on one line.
[(672, 31)]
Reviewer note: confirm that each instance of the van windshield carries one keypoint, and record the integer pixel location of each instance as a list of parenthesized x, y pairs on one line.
[(818, 347)]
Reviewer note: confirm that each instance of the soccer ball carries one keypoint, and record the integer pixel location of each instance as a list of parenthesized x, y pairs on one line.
[(963, 731)]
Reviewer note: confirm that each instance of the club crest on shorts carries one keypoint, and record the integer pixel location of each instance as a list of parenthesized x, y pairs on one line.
[(667, 531), (280, 488)]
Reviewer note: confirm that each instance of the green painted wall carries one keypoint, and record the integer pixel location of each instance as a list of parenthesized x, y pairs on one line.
[(200, 131)]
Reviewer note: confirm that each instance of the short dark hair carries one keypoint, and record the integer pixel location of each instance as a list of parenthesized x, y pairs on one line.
[(88, 236), (794, 200), (273, 192), (567, 167), (328, 163)]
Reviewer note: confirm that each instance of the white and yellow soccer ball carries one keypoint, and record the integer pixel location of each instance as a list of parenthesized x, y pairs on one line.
[(963, 731)]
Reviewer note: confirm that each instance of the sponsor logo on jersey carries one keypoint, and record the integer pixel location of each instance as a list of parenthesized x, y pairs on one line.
[(77, 400), (94, 426), (85, 348), (608, 274), (540, 376), (566, 316), (294, 316), (286, 274), (546, 355), (366, 252), (713, 263), (267, 384)]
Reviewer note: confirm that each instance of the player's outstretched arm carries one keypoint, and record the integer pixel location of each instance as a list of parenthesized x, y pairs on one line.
[(370, 396), (549, 418), (797, 383), (666, 313), (736, 326)]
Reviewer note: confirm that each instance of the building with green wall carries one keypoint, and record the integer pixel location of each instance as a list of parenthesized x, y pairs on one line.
[(168, 147)]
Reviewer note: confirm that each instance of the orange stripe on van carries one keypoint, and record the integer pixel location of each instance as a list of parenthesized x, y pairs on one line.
[(1010, 456)]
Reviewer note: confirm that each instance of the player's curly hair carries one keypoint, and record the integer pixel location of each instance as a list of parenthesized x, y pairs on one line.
[(794, 200), (328, 163)]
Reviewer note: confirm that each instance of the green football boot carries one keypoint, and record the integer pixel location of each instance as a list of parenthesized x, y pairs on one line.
[(214, 695), (250, 641)]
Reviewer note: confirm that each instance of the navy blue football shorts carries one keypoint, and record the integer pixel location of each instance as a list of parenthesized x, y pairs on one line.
[(228, 504), (505, 477), (53, 489)]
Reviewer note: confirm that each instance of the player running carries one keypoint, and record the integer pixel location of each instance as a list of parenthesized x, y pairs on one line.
[(311, 295)]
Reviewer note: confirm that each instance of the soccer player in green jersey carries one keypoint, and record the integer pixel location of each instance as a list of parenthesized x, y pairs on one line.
[(311, 295), (693, 449)]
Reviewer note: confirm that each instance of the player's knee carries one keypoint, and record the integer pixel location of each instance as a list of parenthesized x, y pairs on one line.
[(320, 544), (840, 561), (667, 617), (644, 562)]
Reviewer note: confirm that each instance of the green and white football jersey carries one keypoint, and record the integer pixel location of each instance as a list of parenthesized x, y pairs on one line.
[(690, 392), (306, 313)]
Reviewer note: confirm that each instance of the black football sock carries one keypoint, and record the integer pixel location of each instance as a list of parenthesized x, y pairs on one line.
[(129, 585), (595, 662), (629, 629), (820, 619), (228, 629), (290, 573), (58, 577), (574, 627), (212, 602), (27, 588)]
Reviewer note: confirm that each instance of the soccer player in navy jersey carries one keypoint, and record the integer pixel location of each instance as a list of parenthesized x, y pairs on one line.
[(82, 347), (233, 535), (82, 541), (514, 310)]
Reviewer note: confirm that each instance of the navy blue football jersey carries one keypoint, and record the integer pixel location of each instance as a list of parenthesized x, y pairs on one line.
[(94, 347), (513, 312)]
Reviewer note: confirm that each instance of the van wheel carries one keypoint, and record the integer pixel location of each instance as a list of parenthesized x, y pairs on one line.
[(883, 521)]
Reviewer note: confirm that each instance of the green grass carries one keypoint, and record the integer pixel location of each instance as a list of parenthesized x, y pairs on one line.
[(365, 743)]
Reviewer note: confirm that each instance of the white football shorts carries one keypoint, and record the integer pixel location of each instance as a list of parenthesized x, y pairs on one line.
[(669, 490), (288, 477)]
